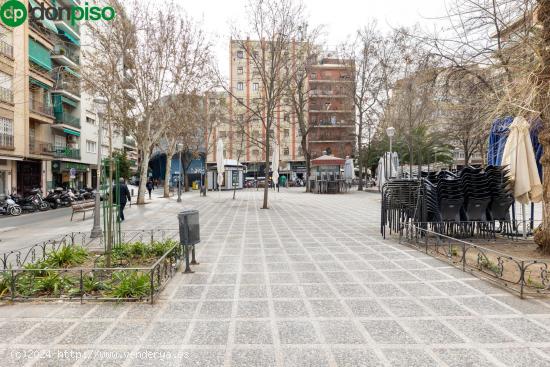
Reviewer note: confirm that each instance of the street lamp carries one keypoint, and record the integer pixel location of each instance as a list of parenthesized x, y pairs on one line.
[(179, 147), (96, 229), (390, 131)]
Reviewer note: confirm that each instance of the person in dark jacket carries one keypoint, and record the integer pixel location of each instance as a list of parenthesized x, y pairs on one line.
[(149, 185), (124, 197)]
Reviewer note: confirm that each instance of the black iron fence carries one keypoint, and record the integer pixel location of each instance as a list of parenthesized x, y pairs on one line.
[(22, 279), (526, 277)]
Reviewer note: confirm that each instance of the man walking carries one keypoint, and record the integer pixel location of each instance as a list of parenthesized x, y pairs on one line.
[(124, 197), (149, 185)]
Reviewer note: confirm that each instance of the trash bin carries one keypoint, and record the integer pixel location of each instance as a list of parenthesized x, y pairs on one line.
[(189, 229), (195, 185)]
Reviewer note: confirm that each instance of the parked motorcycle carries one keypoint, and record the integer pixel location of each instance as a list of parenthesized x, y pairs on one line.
[(9, 207), (31, 202)]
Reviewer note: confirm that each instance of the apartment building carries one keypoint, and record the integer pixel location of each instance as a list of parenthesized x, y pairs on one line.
[(331, 108), (48, 126), (245, 88)]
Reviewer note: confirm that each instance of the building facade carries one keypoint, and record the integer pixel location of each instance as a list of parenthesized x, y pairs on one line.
[(48, 126), (331, 108)]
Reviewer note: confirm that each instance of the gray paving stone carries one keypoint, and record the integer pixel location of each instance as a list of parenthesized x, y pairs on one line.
[(253, 358), (304, 358), (253, 332), (86, 332), (252, 309), (220, 292), (318, 291), (156, 357), (216, 309), (480, 331), (409, 358), (45, 333), (203, 358), (385, 290), (432, 331), (179, 310), (341, 332), (485, 306), (290, 309), (520, 357), (327, 308), (366, 308), (445, 307), (282, 278), (167, 333), (210, 333), (388, 332), (125, 333), (466, 357), (253, 291), (297, 332), (524, 329), (356, 358), (403, 307), (285, 291)]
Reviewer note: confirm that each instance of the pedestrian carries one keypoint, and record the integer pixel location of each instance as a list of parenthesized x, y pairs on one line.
[(124, 197), (149, 187)]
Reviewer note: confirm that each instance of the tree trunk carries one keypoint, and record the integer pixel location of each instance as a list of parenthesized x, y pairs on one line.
[(185, 182), (360, 153), (167, 174), (542, 234), (307, 157), (267, 169), (143, 177)]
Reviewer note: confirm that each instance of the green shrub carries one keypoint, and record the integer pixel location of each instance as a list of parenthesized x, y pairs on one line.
[(92, 284), (53, 283), (66, 256), (160, 248), (5, 283), (130, 285), (138, 249)]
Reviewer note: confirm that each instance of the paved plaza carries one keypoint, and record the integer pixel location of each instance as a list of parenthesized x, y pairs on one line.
[(308, 282)]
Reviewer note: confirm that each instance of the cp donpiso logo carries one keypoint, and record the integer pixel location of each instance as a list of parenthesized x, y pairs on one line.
[(13, 13)]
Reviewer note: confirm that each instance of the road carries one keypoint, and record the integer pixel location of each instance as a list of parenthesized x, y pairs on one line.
[(28, 229)]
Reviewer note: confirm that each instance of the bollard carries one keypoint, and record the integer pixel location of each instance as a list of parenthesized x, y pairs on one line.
[(189, 228)]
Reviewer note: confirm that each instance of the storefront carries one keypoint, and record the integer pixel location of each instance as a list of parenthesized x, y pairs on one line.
[(29, 176), (7, 175), (69, 174)]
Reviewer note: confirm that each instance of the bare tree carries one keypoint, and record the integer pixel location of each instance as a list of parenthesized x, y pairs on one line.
[(274, 27), (304, 54)]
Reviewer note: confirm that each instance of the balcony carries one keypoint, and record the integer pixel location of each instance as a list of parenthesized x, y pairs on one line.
[(6, 49), (6, 142), (67, 153), (6, 95), (66, 56), (67, 84), (66, 118), (130, 142), (38, 106), (38, 147), (70, 28)]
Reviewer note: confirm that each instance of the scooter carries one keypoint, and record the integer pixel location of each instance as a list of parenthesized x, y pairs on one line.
[(9, 207), (31, 202)]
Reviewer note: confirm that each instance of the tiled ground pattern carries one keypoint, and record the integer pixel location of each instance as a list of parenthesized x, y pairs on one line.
[(306, 283)]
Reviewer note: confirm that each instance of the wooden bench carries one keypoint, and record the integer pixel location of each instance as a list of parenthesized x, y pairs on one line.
[(82, 207)]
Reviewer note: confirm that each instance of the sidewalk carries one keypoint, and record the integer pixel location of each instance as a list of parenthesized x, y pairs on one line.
[(308, 282)]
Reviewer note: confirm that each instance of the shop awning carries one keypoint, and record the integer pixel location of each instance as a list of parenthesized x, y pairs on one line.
[(45, 22), (69, 37), (40, 55), (71, 132), (38, 83)]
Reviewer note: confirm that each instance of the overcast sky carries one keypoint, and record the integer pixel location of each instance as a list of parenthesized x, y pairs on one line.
[(340, 18)]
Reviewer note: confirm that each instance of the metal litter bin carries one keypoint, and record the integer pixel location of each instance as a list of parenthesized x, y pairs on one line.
[(189, 228)]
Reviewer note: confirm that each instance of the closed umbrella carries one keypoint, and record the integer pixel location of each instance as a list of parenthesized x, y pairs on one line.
[(519, 156), (220, 162), (275, 162)]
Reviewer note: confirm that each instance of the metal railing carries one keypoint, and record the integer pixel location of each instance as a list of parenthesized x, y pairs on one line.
[(40, 107), (6, 95), (68, 53), (526, 277), (67, 153), (68, 119), (40, 147), (22, 277), (6, 141), (6, 49)]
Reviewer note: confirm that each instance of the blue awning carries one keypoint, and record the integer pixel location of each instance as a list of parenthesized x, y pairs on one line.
[(71, 132), (45, 22), (39, 84)]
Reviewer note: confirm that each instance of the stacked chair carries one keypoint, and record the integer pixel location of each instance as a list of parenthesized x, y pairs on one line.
[(466, 204)]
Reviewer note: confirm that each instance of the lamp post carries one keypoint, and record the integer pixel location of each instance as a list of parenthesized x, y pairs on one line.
[(390, 131), (179, 147), (96, 229)]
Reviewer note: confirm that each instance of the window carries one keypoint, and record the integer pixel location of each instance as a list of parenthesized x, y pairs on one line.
[(90, 120), (286, 117), (91, 146), (255, 152), (286, 133), (255, 87), (300, 150), (240, 70), (286, 151), (241, 118), (240, 86), (240, 54), (223, 134), (313, 76), (6, 132)]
